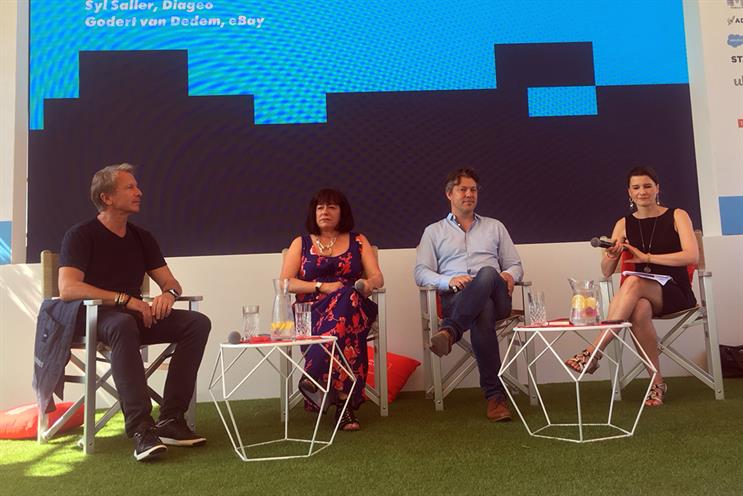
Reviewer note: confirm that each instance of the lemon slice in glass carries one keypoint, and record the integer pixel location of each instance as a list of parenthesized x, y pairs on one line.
[(578, 302)]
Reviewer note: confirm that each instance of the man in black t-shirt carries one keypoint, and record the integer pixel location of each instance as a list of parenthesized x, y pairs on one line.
[(106, 258)]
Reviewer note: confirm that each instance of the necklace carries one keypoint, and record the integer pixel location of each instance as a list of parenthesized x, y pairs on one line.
[(650, 242), (323, 248)]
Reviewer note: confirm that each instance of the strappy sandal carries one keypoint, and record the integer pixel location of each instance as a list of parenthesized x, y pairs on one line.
[(312, 394), (582, 361), (656, 394), (349, 422)]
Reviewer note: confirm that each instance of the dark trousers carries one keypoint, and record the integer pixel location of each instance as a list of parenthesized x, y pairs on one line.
[(124, 332), (477, 307)]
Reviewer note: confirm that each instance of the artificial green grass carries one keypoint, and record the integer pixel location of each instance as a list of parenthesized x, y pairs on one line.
[(691, 445)]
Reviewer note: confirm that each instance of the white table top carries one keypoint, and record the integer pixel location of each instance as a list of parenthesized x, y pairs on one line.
[(565, 325)]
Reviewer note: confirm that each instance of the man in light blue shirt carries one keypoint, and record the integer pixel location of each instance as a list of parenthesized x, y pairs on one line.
[(474, 264)]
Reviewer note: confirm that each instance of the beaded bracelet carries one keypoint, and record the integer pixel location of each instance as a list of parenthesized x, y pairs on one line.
[(121, 299)]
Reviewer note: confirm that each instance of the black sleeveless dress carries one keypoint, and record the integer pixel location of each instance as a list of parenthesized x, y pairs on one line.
[(656, 235)]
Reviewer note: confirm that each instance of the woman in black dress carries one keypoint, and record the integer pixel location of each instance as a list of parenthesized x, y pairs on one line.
[(659, 240)]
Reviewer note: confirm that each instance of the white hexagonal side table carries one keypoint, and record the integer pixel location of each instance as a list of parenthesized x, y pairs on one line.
[(549, 335), (230, 355)]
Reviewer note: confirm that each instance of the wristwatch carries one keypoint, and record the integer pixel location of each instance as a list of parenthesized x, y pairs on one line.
[(174, 293), (317, 286)]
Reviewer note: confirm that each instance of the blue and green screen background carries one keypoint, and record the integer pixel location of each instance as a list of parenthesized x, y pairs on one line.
[(233, 128)]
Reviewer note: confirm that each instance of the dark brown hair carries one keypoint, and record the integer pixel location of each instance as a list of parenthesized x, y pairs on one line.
[(642, 171), (327, 196), (456, 176)]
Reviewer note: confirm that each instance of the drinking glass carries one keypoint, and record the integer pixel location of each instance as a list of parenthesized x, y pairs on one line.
[(303, 319), (251, 321), (536, 308)]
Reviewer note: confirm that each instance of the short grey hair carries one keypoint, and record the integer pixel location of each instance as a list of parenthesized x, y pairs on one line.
[(104, 181)]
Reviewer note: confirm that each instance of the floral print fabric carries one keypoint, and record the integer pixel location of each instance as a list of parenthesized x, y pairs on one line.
[(344, 313)]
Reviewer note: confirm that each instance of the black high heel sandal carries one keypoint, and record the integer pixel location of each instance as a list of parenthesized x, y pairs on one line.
[(312, 394), (349, 422)]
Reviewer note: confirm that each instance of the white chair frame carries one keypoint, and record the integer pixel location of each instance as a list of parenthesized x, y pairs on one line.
[(701, 315), (378, 337), (95, 353), (438, 386)]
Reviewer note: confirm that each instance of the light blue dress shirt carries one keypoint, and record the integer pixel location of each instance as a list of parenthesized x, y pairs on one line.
[(446, 250)]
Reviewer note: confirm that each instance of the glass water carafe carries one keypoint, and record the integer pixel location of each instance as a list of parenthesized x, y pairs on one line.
[(584, 305), (282, 318)]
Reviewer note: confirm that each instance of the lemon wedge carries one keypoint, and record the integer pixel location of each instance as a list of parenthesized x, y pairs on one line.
[(578, 302), (282, 325)]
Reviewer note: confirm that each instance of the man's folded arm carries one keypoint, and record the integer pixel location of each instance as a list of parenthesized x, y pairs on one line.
[(426, 265), (508, 256)]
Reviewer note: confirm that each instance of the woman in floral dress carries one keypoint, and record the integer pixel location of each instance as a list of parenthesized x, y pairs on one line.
[(336, 270)]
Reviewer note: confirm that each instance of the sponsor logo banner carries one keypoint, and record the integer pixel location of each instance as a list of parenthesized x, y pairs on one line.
[(735, 40)]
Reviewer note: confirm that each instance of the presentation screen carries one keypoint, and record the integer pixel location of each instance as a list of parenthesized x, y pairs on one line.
[(236, 112)]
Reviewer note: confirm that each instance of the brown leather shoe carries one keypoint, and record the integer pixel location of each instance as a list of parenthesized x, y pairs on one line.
[(498, 410), (442, 341)]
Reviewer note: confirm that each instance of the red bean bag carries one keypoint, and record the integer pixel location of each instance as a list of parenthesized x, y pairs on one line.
[(399, 369), (22, 422)]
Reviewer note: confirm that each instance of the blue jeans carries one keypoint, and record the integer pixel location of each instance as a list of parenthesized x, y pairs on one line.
[(477, 307)]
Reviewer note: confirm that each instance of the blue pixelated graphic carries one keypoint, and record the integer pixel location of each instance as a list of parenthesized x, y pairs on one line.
[(5, 233), (731, 215), (562, 100), (289, 54)]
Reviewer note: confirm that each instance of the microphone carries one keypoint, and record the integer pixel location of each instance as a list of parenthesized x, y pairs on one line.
[(234, 337), (601, 243), (359, 285)]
